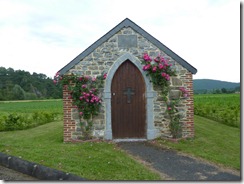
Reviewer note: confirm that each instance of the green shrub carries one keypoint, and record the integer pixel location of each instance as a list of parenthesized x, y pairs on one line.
[(17, 121), (28, 114), (2, 127), (43, 117), (13, 121)]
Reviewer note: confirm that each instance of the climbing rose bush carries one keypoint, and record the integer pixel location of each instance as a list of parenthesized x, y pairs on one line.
[(159, 70), (84, 90), (184, 92)]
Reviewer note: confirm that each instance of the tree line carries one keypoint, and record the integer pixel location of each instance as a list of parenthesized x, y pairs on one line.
[(218, 91), (21, 85)]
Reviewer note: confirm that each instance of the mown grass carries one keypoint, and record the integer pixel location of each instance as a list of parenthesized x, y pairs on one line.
[(94, 161), (213, 141)]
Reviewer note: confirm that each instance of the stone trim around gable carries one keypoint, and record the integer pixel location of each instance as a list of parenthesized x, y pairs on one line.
[(151, 131)]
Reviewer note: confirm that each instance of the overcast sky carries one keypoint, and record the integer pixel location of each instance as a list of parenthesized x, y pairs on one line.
[(42, 36)]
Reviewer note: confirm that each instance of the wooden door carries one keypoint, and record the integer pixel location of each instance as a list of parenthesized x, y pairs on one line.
[(128, 102)]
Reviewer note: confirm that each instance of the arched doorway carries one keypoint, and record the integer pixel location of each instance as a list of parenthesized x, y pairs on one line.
[(151, 131), (128, 103)]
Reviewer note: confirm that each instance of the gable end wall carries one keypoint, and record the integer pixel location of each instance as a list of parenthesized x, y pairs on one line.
[(101, 60)]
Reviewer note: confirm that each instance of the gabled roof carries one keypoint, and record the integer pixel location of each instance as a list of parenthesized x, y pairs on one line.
[(128, 23)]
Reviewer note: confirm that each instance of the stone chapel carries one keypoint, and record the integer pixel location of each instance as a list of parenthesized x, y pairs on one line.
[(131, 108)]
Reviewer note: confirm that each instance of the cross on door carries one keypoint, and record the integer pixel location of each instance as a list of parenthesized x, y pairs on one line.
[(128, 92)]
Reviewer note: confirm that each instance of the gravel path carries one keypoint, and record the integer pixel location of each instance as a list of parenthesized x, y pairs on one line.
[(176, 166), (11, 175)]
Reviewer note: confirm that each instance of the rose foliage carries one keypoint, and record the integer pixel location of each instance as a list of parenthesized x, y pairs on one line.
[(84, 90), (160, 71)]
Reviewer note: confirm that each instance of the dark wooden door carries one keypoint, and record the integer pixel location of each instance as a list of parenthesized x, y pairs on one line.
[(128, 102)]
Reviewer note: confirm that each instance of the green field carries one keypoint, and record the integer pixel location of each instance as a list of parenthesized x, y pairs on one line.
[(19, 115), (224, 108), (31, 106)]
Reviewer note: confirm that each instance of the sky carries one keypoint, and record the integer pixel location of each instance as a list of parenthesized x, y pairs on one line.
[(43, 36)]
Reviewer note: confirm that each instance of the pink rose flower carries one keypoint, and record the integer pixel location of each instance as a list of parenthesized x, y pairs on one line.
[(57, 74), (167, 77), (146, 57), (160, 66), (157, 59), (164, 74), (154, 69), (162, 60), (144, 67), (105, 76)]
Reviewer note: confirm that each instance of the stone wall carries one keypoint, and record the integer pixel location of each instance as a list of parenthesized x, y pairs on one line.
[(101, 60)]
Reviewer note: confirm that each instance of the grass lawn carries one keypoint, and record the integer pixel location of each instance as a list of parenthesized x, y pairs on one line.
[(213, 141), (94, 161)]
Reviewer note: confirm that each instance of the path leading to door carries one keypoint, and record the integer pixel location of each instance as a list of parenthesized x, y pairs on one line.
[(176, 166)]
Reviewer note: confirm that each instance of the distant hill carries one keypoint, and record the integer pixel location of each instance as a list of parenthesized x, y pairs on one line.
[(209, 84)]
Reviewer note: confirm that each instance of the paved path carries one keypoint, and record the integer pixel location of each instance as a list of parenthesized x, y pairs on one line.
[(11, 175), (176, 166)]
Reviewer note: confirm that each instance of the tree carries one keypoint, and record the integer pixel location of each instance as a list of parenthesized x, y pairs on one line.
[(20, 84), (18, 93), (223, 90)]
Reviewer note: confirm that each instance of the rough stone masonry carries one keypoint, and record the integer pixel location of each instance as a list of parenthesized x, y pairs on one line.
[(129, 43)]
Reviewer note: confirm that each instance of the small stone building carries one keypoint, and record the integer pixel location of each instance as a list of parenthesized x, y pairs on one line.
[(123, 114)]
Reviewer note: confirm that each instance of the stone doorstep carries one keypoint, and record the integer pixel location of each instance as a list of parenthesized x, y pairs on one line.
[(35, 170), (129, 140), (174, 140)]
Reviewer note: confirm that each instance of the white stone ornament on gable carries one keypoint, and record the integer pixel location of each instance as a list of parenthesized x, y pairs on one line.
[(128, 42)]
